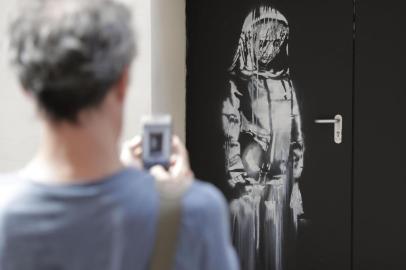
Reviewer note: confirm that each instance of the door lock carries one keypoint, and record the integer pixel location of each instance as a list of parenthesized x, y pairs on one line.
[(338, 127)]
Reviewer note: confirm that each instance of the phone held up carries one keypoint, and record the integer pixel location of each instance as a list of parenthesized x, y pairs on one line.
[(156, 140)]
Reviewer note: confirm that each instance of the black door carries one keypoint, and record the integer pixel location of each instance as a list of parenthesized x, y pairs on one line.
[(259, 73), (380, 136)]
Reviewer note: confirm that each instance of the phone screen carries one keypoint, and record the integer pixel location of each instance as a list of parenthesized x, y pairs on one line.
[(157, 138)]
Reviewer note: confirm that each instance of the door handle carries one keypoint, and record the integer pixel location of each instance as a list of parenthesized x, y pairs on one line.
[(338, 127)]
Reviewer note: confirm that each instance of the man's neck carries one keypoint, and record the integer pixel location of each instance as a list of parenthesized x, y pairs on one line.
[(75, 154)]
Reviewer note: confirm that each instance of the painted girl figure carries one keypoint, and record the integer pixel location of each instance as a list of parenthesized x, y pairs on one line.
[(264, 142)]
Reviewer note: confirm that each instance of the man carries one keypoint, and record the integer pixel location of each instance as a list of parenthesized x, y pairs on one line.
[(264, 142), (75, 206)]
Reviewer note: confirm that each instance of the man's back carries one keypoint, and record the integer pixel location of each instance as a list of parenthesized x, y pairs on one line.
[(107, 225)]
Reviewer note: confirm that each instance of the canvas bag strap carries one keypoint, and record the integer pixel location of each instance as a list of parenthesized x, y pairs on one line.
[(169, 221)]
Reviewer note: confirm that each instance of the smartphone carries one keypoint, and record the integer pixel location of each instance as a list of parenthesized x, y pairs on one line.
[(156, 140)]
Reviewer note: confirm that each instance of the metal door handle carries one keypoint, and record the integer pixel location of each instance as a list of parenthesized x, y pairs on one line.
[(338, 127)]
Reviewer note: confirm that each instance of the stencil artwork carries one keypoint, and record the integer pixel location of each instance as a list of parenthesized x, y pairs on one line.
[(263, 142)]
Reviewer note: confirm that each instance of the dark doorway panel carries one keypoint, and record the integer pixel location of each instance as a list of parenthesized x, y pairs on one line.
[(380, 136)]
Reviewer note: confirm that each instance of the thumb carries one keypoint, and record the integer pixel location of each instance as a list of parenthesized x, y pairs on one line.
[(159, 173)]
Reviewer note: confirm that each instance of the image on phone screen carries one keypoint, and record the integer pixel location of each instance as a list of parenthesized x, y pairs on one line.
[(156, 143)]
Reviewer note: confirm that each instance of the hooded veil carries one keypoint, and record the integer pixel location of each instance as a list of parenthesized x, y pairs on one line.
[(265, 29)]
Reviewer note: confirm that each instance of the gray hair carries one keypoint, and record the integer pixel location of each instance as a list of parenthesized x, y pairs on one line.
[(69, 53)]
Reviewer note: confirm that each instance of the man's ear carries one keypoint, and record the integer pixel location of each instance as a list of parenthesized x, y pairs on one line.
[(26, 93), (122, 84)]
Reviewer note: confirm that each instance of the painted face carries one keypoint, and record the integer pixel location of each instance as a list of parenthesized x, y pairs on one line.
[(269, 36)]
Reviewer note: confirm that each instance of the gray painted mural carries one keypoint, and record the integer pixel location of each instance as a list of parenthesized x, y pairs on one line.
[(264, 144)]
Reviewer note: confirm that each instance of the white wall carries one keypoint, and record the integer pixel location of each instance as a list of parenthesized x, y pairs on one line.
[(168, 34), (139, 99), (19, 132)]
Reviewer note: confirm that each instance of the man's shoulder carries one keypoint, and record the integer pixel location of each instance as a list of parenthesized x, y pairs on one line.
[(204, 194), (204, 201)]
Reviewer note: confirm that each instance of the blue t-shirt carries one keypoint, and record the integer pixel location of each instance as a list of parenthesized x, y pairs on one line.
[(109, 224)]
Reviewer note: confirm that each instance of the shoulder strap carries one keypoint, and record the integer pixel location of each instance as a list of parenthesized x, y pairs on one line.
[(169, 220)]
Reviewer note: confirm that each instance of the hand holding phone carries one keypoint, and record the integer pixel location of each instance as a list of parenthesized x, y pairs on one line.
[(179, 168)]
